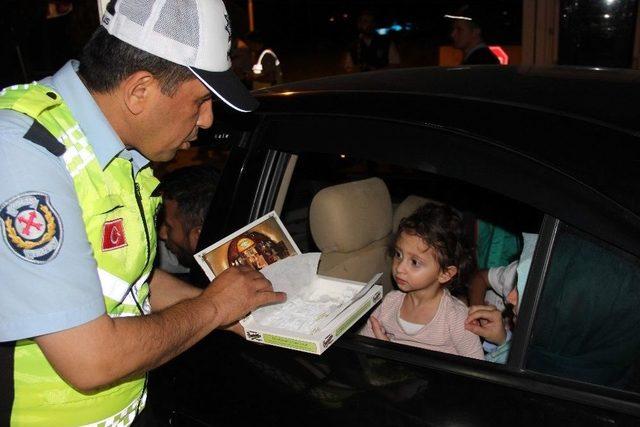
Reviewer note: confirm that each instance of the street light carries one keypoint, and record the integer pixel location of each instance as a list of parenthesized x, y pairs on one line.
[(257, 67)]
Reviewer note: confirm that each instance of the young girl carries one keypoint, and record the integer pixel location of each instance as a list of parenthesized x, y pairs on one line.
[(429, 255)]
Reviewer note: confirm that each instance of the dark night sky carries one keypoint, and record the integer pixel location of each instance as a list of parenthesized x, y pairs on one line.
[(306, 38), (303, 33), (291, 21)]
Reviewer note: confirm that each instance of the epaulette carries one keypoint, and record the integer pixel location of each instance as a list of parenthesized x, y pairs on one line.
[(39, 135)]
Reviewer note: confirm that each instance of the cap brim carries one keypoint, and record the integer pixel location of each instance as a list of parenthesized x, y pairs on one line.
[(458, 17), (228, 87)]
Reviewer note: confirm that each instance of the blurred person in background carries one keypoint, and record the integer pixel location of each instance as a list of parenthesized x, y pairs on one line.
[(370, 51), (466, 33), (242, 61)]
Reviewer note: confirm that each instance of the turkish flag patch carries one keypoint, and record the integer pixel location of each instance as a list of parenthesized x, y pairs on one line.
[(113, 235)]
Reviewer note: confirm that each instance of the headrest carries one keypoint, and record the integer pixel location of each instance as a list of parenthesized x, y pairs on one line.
[(406, 208), (348, 217)]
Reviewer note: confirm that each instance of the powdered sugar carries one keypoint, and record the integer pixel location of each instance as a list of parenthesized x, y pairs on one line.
[(305, 310)]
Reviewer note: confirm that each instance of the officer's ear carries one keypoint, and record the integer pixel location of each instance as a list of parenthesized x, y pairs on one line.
[(137, 91)]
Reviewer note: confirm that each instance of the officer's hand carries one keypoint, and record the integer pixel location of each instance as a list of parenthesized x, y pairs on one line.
[(238, 291)]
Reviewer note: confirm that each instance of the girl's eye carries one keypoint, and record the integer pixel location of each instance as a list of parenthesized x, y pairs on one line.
[(397, 254), (415, 263)]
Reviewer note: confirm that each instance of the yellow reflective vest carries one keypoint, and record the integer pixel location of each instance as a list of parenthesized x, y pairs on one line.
[(118, 211)]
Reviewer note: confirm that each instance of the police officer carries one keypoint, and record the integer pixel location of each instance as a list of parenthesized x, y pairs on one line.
[(83, 315), (466, 33)]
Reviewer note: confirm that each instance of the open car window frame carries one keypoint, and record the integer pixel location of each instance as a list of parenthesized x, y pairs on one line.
[(280, 136)]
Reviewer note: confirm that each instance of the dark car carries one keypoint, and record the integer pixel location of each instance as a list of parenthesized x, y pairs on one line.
[(555, 152)]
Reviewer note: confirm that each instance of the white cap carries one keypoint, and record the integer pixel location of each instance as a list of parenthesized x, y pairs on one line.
[(193, 33)]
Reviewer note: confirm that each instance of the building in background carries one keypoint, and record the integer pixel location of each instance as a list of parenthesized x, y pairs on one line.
[(602, 33)]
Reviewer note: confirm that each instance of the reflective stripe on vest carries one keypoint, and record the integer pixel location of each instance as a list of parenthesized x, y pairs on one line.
[(114, 288), (108, 196), (122, 418)]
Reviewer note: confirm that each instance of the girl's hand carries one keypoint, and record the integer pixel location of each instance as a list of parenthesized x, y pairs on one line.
[(486, 321), (378, 329)]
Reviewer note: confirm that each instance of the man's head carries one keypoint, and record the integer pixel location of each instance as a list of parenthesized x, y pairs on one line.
[(153, 69), (466, 32), (186, 194), (366, 23)]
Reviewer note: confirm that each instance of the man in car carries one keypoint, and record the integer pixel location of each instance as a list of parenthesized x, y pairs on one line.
[(466, 33), (186, 194), (487, 321), (83, 314)]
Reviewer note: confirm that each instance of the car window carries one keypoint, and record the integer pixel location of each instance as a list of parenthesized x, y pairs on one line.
[(487, 215), (586, 326), (214, 156), (211, 151)]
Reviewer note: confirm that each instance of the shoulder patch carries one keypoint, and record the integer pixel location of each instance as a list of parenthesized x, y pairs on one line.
[(39, 135), (31, 227)]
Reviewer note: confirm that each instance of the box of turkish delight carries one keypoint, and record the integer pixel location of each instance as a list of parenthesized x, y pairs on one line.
[(318, 310)]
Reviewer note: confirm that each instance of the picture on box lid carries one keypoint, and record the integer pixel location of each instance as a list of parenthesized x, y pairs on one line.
[(259, 244)]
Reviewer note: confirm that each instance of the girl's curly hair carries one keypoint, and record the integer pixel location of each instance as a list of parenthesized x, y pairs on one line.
[(442, 228)]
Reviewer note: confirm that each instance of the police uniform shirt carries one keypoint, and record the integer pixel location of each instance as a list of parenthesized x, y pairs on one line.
[(57, 288), (479, 55)]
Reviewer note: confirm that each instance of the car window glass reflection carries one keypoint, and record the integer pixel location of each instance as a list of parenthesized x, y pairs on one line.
[(587, 319)]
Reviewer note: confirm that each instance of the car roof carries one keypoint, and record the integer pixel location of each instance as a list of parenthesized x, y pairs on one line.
[(582, 122), (605, 95)]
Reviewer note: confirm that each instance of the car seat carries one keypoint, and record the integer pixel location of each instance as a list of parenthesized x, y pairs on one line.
[(406, 208), (351, 225)]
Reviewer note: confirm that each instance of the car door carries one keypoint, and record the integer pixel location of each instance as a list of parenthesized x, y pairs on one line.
[(369, 382)]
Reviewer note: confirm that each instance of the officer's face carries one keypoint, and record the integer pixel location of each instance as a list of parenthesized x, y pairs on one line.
[(172, 122), (176, 235), (463, 34)]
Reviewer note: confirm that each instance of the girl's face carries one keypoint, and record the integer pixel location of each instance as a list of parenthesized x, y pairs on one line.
[(415, 265)]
